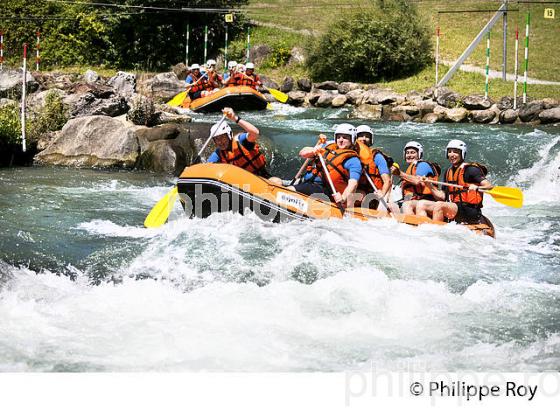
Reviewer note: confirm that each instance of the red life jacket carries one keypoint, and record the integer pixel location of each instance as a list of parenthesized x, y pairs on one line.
[(464, 196), (252, 161), (201, 85), (415, 191), (334, 160), (236, 79)]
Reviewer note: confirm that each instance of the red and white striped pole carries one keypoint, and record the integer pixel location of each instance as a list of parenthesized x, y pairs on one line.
[(1, 50), (23, 90), (38, 58), (516, 68)]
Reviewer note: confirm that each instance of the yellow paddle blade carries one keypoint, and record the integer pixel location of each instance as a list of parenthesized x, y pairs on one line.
[(160, 212), (507, 195), (177, 100), (269, 106), (279, 95)]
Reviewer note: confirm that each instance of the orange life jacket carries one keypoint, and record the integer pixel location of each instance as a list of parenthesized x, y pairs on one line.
[(415, 191), (250, 80), (201, 85), (464, 196), (334, 160), (252, 161), (367, 158), (236, 79)]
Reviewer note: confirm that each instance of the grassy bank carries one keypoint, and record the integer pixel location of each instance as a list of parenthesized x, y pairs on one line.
[(294, 22)]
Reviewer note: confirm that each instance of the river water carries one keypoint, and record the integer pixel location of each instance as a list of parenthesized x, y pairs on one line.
[(84, 287)]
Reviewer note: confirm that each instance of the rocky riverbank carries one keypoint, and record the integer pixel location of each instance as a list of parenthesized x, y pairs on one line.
[(122, 121)]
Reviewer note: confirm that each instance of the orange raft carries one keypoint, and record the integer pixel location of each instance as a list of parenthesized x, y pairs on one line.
[(240, 98), (208, 188)]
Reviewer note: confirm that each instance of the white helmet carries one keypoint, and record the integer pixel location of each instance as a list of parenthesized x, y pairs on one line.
[(457, 144), (415, 145), (250, 66), (220, 129), (364, 128), (195, 67), (210, 62), (231, 65), (240, 67), (347, 129)]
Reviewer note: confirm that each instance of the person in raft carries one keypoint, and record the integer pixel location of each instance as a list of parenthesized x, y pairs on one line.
[(253, 79), (214, 78), (196, 83), (343, 167), (228, 75), (242, 149), (376, 165), (462, 205), (413, 187)]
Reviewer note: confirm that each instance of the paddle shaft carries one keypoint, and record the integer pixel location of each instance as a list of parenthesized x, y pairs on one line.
[(381, 199), (189, 86), (328, 176), (303, 166), (452, 185)]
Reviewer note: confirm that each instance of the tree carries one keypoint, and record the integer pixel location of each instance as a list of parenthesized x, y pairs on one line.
[(382, 42)]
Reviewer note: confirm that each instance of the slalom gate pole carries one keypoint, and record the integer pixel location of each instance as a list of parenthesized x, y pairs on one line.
[(205, 43), (526, 56), (38, 57), (23, 90), (487, 65), (248, 43), (1, 50), (516, 73), (225, 49), (437, 56), (187, 46)]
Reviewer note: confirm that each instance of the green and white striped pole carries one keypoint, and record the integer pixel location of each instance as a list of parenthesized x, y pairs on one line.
[(516, 68), (526, 57), (487, 65), (248, 43), (187, 45), (205, 42)]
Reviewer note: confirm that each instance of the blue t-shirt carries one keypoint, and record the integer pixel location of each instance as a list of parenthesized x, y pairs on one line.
[(423, 169), (381, 164), (242, 138)]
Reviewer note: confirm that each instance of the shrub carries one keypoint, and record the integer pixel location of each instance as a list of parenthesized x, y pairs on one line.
[(51, 117), (10, 125), (367, 45)]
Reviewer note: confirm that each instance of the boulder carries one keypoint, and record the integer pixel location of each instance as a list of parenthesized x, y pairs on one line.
[(87, 105), (48, 80), (497, 112), (313, 96), (439, 110), (426, 106), (36, 101), (367, 112), (94, 141), (338, 101), (142, 111), (476, 102), (552, 115), (91, 77), (346, 87), (162, 87), (379, 96), (164, 117), (269, 83), (296, 56), (410, 110), (123, 83), (530, 112), (181, 71), (11, 82), (449, 99), (147, 135), (505, 103), (7, 101), (163, 156), (259, 52), (287, 85), (482, 116), (304, 84), (549, 103), (508, 116), (325, 99), (355, 97), (296, 98), (457, 114), (327, 85), (98, 90), (432, 118)]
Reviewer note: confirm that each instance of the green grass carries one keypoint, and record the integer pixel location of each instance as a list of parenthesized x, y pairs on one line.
[(458, 30)]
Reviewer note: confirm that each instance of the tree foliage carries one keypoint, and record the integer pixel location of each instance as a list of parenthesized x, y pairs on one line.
[(148, 39), (386, 41)]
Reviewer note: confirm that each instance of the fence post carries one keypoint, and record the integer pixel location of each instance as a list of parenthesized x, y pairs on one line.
[(38, 57), (205, 43), (248, 43), (526, 56), (23, 90), (516, 68), (487, 65)]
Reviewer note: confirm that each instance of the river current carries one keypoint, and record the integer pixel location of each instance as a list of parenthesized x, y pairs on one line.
[(85, 287)]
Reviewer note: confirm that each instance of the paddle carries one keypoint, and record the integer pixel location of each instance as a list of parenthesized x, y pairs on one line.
[(326, 173), (160, 212), (503, 194), (321, 140), (279, 95), (381, 199), (178, 99)]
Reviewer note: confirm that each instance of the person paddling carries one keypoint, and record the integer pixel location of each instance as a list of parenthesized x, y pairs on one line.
[(343, 167), (241, 150), (413, 187), (196, 83), (462, 205)]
